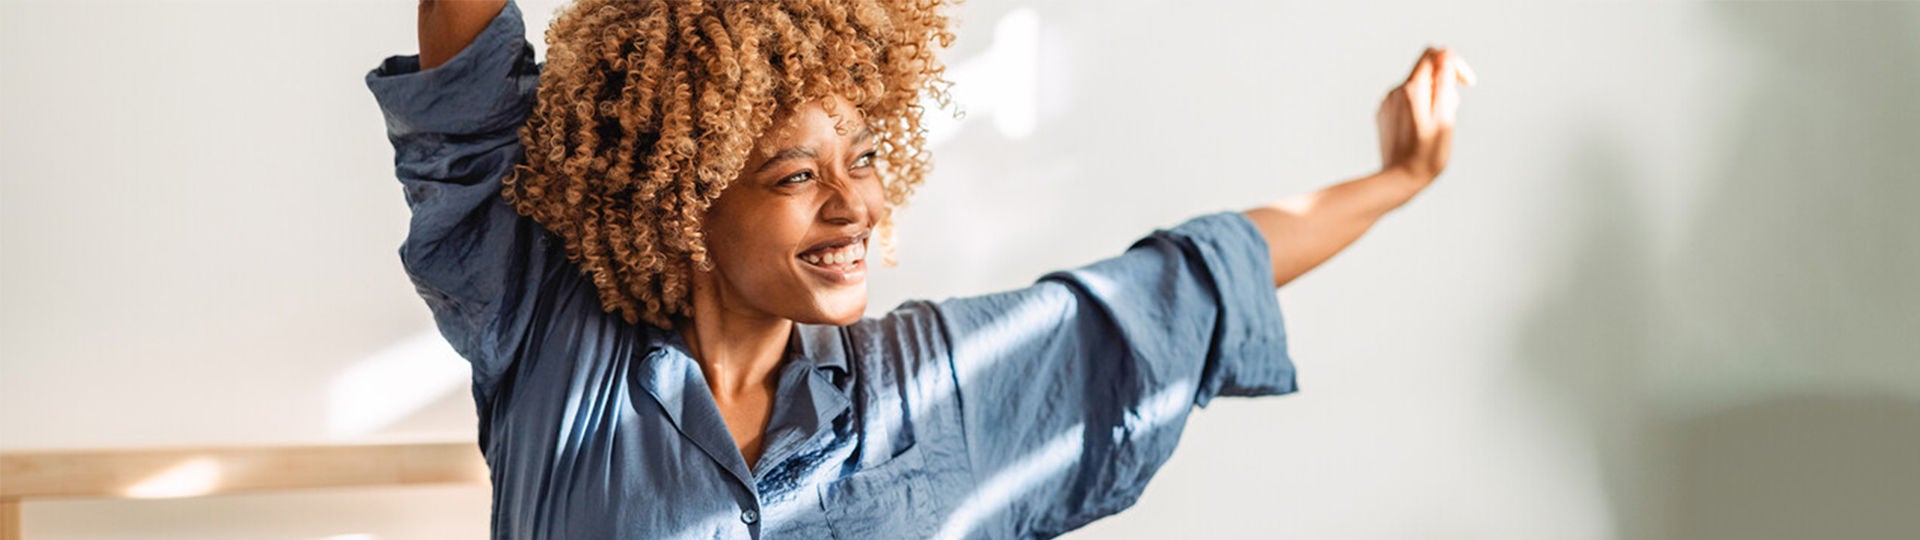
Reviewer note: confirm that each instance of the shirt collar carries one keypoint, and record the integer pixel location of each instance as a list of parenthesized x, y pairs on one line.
[(806, 403), (822, 344)]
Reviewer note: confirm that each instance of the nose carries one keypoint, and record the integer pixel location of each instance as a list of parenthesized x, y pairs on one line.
[(846, 203)]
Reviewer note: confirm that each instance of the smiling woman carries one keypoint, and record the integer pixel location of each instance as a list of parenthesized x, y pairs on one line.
[(789, 236), (648, 111), (652, 250)]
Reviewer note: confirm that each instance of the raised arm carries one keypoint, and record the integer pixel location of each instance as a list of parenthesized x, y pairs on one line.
[(481, 268), (447, 26), (1416, 136)]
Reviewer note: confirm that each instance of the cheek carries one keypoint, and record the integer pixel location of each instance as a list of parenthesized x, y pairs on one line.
[(759, 253), (730, 237), (875, 195), (759, 240)]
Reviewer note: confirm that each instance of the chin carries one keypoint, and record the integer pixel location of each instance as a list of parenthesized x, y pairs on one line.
[(843, 314), (849, 317)]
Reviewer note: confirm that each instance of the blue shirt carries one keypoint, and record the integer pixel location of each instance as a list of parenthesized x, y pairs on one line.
[(1023, 413)]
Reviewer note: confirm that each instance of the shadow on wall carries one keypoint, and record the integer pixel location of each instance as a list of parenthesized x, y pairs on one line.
[(1762, 380)]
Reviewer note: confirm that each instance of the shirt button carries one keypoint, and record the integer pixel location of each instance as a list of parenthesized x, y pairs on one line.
[(749, 516)]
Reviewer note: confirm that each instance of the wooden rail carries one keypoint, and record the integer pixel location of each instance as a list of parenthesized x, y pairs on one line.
[(198, 472)]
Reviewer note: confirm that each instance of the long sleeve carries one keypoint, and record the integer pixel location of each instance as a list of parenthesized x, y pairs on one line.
[(1075, 389), (454, 130)]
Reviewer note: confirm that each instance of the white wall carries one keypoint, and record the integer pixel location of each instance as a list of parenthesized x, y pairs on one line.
[(1665, 290)]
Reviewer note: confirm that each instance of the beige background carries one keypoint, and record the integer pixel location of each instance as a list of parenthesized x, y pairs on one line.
[(1666, 290)]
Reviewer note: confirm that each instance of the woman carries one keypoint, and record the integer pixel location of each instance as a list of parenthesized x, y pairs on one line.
[(714, 174)]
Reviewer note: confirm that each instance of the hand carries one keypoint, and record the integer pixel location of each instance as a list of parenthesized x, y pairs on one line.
[(1416, 118)]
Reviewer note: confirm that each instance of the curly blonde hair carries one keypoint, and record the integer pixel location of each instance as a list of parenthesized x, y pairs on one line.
[(647, 109)]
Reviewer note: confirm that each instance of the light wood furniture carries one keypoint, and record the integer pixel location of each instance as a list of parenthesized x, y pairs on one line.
[(196, 472)]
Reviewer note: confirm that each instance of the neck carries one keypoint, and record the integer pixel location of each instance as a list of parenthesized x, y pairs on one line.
[(737, 349)]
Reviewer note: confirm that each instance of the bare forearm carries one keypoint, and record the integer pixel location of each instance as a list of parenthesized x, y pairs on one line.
[(1416, 122), (1305, 230), (447, 26)]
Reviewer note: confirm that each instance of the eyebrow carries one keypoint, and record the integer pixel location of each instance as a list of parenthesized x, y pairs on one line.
[(807, 152)]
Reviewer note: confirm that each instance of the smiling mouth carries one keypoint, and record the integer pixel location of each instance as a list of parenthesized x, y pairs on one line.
[(841, 258)]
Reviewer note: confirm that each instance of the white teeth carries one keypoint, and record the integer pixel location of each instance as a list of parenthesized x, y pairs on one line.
[(850, 253)]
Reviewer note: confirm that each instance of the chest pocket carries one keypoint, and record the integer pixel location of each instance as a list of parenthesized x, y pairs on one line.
[(890, 500)]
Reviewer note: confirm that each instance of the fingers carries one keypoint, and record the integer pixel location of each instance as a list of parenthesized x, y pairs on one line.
[(1417, 118), (1452, 73), (1434, 83), (1422, 68), (1435, 59), (1446, 95), (1466, 73), (1419, 89)]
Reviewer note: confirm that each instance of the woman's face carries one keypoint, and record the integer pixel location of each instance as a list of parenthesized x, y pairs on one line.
[(788, 237)]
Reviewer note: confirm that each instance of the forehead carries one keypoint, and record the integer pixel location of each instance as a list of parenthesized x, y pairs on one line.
[(813, 122)]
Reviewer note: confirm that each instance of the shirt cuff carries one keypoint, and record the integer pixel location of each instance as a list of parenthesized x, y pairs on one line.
[(1249, 355), (486, 87)]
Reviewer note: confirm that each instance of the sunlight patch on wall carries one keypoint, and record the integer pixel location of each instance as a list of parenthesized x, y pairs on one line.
[(393, 383), (1002, 82)]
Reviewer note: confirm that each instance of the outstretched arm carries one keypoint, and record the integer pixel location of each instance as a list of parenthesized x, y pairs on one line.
[(1416, 136), (447, 26)]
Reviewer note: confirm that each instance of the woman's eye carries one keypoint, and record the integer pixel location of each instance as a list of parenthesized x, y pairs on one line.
[(799, 177), (865, 160)]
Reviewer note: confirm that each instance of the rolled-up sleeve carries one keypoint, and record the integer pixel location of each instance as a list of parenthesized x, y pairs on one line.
[(1075, 390), (454, 130)]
